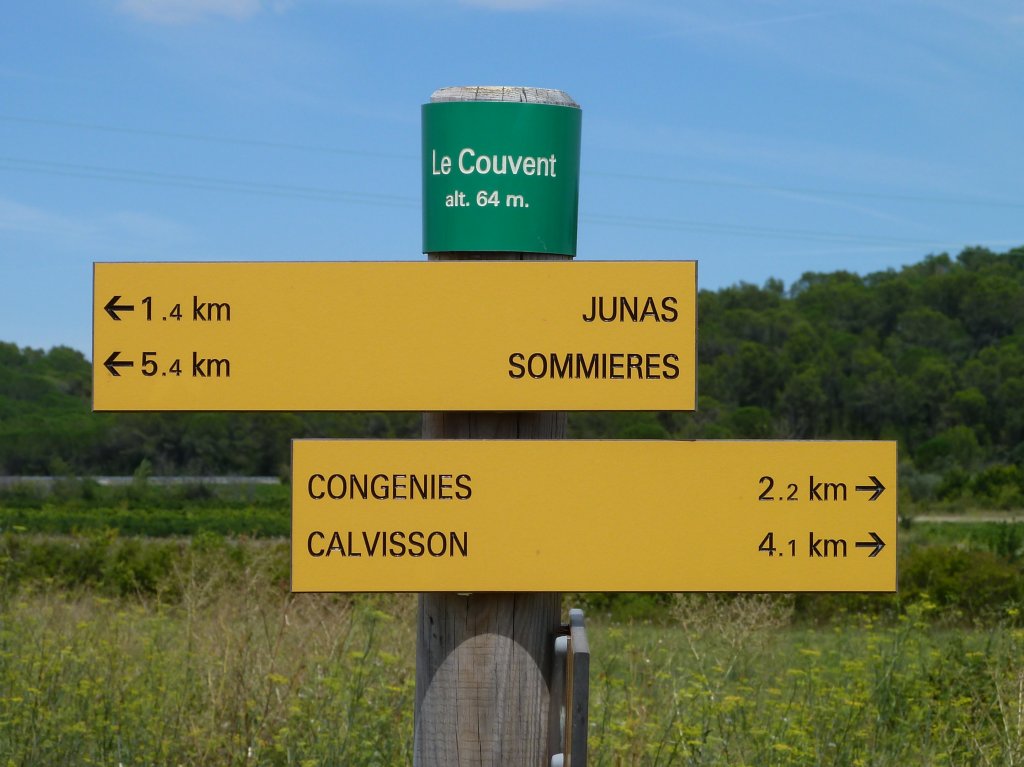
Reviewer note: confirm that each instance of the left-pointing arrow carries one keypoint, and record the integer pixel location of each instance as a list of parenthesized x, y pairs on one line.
[(875, 543), (113, 363), (113, 307)]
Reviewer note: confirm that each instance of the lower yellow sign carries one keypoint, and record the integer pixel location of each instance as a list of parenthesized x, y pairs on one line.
[(475, 515)]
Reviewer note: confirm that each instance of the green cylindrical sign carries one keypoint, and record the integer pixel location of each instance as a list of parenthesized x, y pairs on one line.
[(500, 176)]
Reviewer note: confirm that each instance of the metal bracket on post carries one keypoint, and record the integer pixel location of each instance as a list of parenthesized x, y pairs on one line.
[(571, 684)]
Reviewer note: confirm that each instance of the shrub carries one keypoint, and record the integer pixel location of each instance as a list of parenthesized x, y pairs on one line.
[(968, 582), (1001, 486)]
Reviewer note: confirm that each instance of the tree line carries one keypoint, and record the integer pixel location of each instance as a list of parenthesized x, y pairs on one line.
[(931, 355)]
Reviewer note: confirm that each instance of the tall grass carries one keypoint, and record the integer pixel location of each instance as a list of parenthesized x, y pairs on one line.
[(221, 665), (735, 684), (234, 673)]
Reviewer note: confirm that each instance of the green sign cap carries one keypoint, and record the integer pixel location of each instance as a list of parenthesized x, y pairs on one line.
[(500, 176)]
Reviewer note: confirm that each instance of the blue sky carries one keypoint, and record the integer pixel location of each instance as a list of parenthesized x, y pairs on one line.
[(761, 138)]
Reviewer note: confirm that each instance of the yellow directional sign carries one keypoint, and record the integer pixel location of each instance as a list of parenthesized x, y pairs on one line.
[(523, 335), (593, 516)]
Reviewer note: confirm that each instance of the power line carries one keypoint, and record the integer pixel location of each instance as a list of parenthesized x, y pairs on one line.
[(204, 183), (152, 178), (760, 232), (207, 138), (647, 178), (812, 191)]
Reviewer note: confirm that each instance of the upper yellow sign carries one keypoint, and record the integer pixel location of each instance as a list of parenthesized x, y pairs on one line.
[(512, 335), (561, 515)]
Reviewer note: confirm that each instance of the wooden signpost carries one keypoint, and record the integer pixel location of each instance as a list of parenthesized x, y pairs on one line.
[(485, 661), (494, 511)]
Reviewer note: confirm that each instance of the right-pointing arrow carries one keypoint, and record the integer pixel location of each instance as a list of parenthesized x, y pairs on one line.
[(875, 489), (876, 543)]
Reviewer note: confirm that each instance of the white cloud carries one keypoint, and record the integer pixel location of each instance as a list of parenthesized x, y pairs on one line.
[(512, 5), (188, 11), (16, 217), (113, 231)]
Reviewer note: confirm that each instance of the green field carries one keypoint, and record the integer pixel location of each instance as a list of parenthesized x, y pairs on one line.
[(245, 674), (136, 650)]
